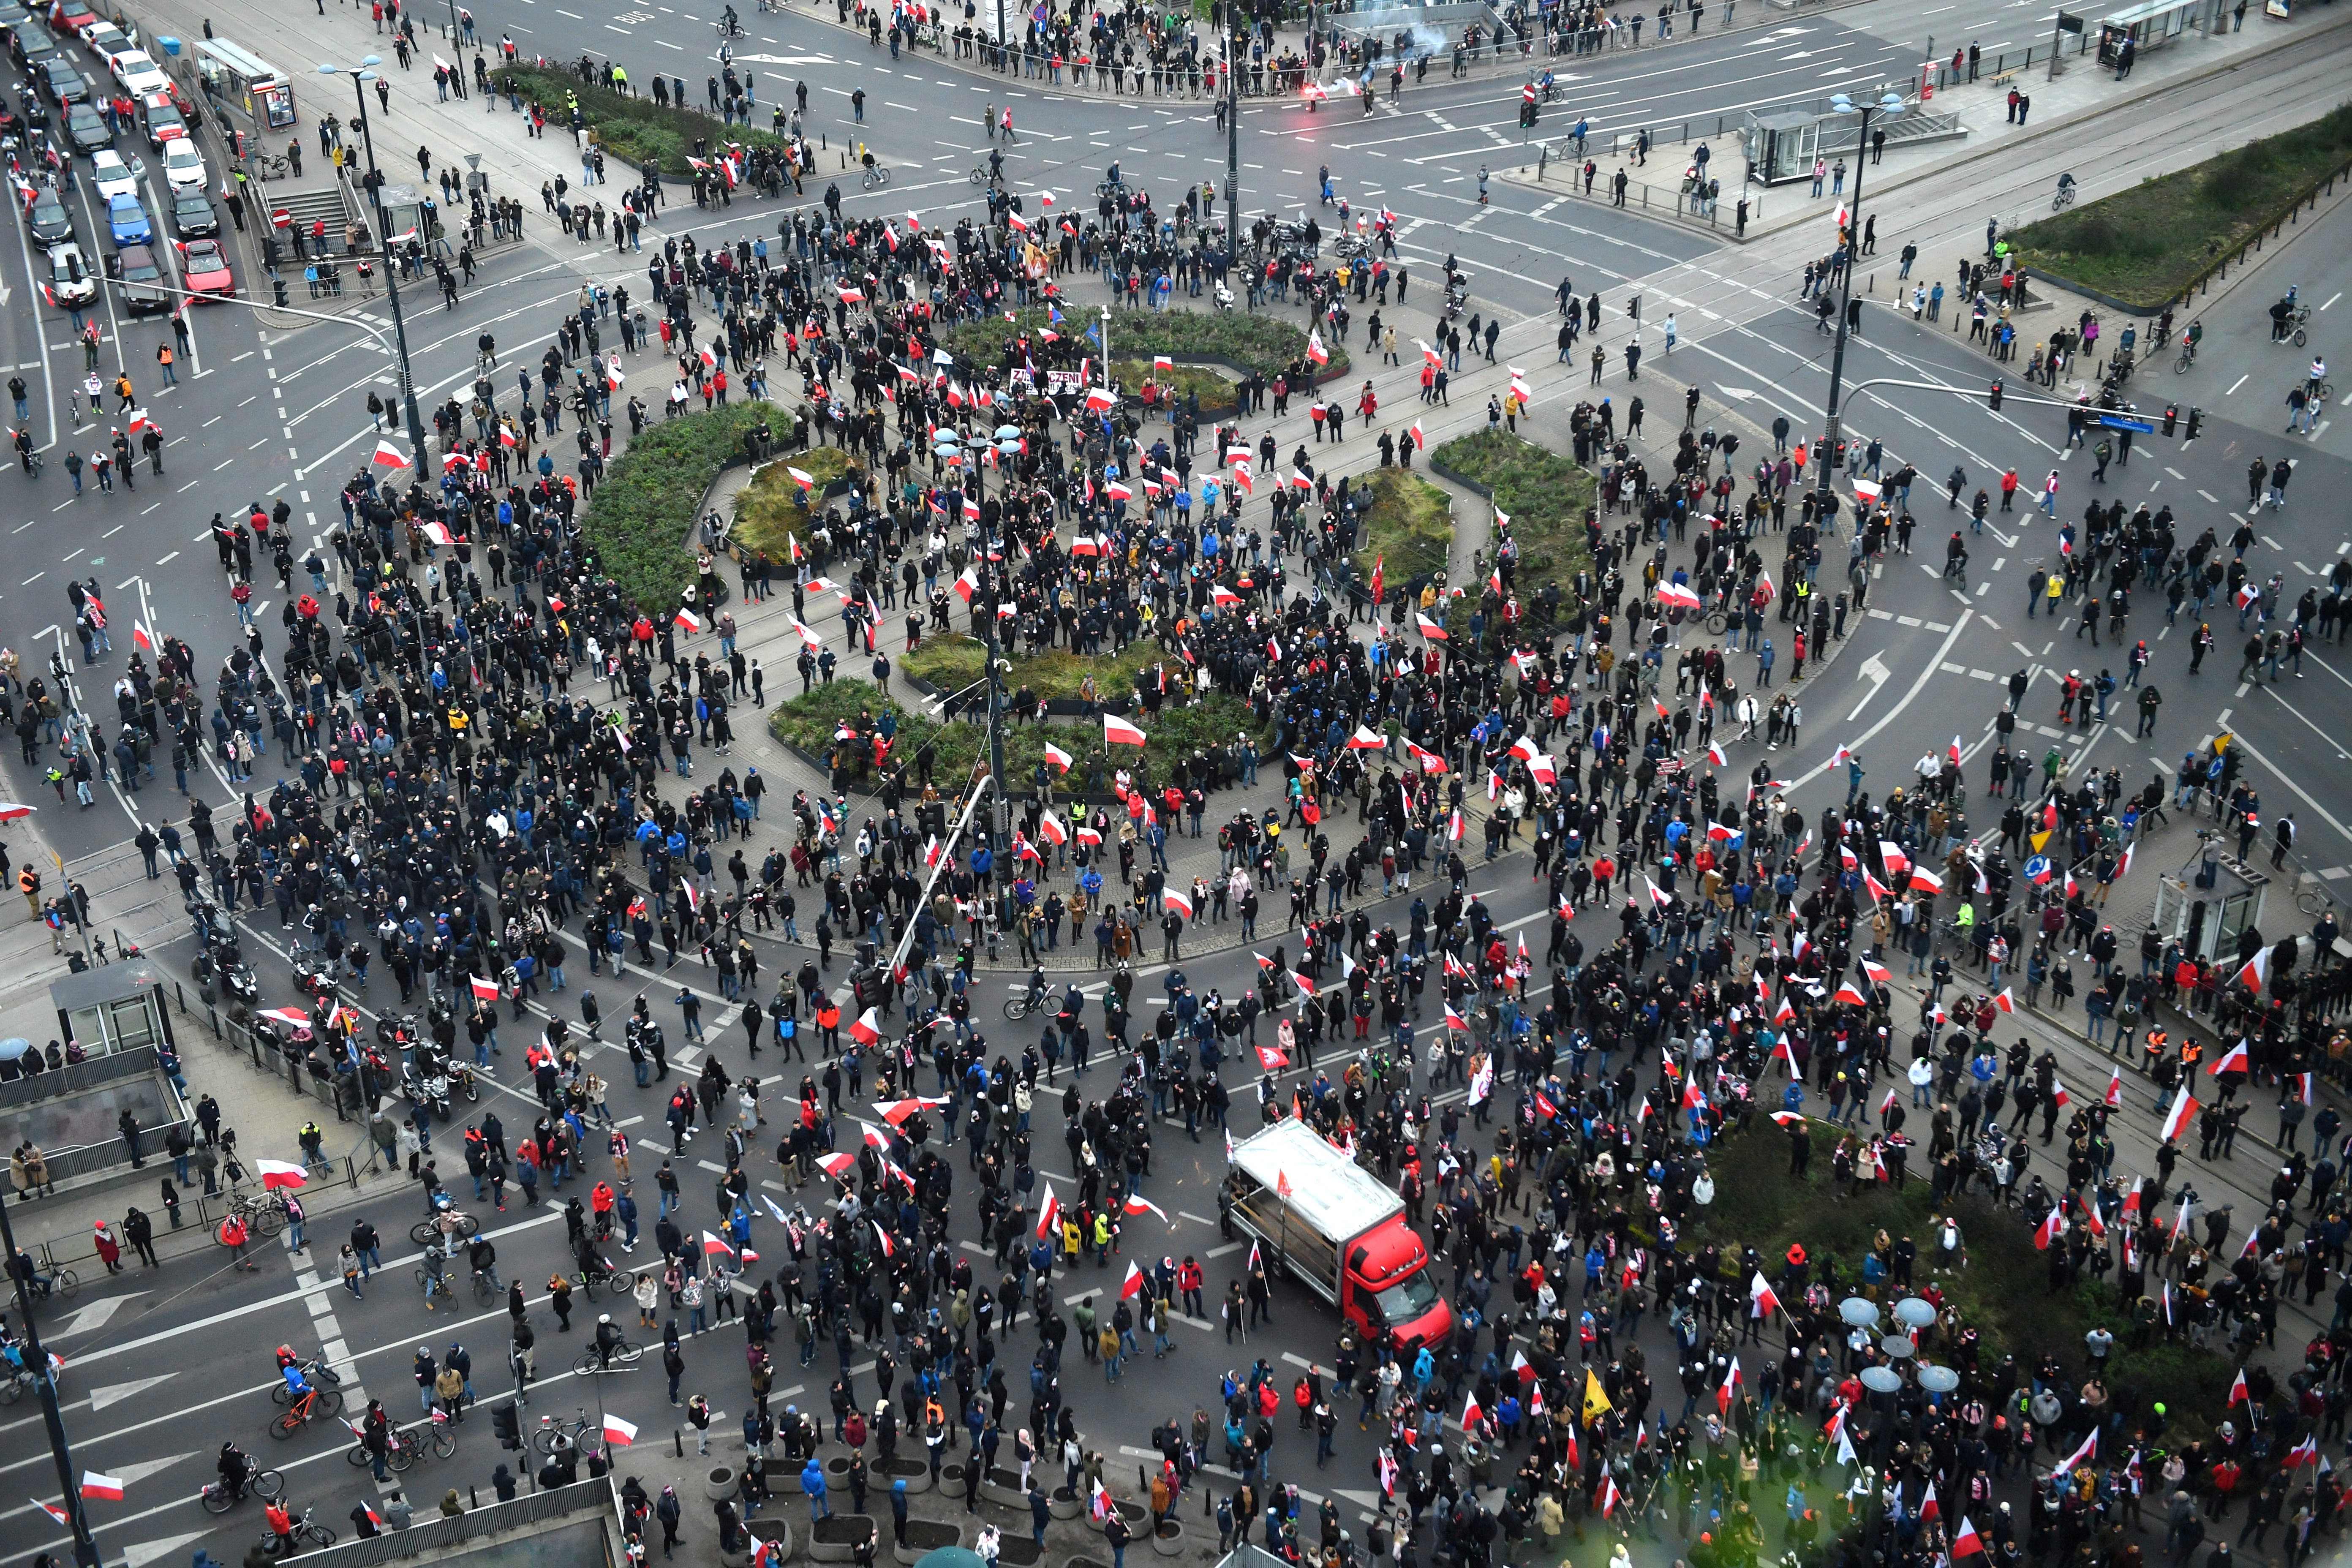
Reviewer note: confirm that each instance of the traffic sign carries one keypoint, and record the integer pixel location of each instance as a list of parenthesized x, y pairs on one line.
[(2121, 422)]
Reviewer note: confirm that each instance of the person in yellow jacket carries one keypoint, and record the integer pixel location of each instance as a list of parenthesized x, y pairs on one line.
[(1105, 1236)]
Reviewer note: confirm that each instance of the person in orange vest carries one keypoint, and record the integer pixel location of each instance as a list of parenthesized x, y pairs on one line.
[(828, 1022), (164, 359)]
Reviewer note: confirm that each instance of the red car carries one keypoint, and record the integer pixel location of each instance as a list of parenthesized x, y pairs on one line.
[(206, 266)]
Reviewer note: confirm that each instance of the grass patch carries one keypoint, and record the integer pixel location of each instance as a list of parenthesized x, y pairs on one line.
[(636, 130), (1218, 394), (1267, 344), (2003, 1293), (1547, 497), (637, 521), (810, 721), (772, 508), (1410, 523), (2146, 245), (953, 662)]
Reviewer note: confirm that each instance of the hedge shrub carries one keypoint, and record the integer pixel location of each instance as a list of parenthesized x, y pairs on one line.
[(770, 509), (634, 129), (638, 520), (1265, 343)]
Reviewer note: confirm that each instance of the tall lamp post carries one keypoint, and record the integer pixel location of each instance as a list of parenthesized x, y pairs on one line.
[(361, 76), (1233, 137), (37, 1360), (1888, 105)]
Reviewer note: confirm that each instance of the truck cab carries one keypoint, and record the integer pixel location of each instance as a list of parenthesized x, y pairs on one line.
[(1389, 1289)]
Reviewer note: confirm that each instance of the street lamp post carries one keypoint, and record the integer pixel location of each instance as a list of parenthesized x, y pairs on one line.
[(361, 76), (60, 1450), (1232, 139), (1889, 104)]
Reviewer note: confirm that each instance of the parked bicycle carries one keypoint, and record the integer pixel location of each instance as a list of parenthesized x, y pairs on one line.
[(556, 1434), (264, 1212)]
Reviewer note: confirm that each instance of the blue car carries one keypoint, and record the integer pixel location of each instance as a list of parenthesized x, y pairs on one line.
[(129, 221)]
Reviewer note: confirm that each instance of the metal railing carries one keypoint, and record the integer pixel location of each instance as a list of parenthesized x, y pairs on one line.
[(438, 1535), (1720, 213)]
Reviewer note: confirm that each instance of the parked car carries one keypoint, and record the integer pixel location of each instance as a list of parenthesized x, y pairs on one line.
[(135, 268), (206, 266), (114, 175), (184, 166), (70, 282), (63, 82), (193, 216), (48, 220), (85, 129), (128, 222), (162, 119)]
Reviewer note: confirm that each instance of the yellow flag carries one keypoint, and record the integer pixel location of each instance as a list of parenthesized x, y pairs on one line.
[(2040, 840), (1596, 1403)]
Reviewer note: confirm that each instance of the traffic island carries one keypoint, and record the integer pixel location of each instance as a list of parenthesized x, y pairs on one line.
[(2002, 1290)]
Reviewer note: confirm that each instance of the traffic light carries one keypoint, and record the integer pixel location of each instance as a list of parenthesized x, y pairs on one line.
[(2171, 415), (277, 290), (1995, 395), (506, 1426), (2196, 422), (1526, 112)]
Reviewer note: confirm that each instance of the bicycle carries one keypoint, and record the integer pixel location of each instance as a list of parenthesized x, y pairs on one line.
[(271, 166), (554, 1433), (1716, 619), (2323, 393), (63, 1283), (20, 1383), (267, 1484), (2063, 200), (432, 1285), (485, 1292), (620, 1281), (313, 1405), (305, 1533), (1019, 1008), (2187, 358), (2313, 898), (425, 1232), (588, 1362), (317, 1373), (876, 177), (263, 1212)]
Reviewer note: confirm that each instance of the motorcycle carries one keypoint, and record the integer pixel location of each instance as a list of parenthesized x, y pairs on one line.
[(430, 1090), (1224, 298), (463, 1077), (317, 975), (221, 964)]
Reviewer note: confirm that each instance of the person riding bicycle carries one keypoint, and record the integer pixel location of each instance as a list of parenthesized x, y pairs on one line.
[(436, 1263), (585, 1254), (2065, 182), (2193, 336), (734, 24), (289, 1367), (608, 1341), (235, 1469), (1037, 989)]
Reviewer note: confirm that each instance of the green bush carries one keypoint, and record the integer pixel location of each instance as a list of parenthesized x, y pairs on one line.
[(770, 511), (2146, 245), (810, 721), (635, 130), (1544, 494), (1267, 344), (951, 663), (2003, 1293), (1409, 525), (638, 520)]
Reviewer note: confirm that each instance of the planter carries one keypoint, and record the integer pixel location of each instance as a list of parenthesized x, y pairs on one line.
[(1003, 1487), (925, 1536), (778, 1531), (1019, 1552), (951, 1479), (916, 1473), (1138, 1518), (718, 1483), (837, 1472), (1064, 1503), (836, 1540), (1085, 1563), (1168, 1541)]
